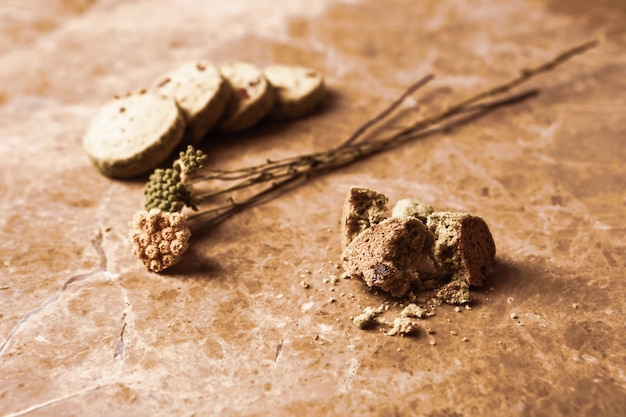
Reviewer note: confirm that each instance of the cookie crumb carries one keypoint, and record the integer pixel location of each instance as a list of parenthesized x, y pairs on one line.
[(368, 317), (455, 293), (402, 326), (413, 310)]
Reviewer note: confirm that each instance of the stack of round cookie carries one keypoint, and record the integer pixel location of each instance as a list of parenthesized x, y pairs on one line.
[(134, 133)]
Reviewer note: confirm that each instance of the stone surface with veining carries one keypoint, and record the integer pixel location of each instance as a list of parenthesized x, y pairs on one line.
[(230, 331)]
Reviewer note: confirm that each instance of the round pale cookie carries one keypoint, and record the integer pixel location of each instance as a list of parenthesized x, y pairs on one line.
[(200, 92), (252, 97), (131, 135), (298, 90)]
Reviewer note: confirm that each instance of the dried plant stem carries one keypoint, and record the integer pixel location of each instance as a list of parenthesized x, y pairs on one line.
[(393, 106), (290, 169), (279, 164), (525, 75)]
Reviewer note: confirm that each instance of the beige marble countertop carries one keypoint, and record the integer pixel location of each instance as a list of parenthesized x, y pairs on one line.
[(230, 331)]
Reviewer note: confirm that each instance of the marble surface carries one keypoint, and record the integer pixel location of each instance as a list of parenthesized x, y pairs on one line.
[(230, 331)]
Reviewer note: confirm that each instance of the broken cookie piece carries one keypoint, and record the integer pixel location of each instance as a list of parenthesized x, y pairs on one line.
[(455, 293), (388, 255), (368, 317), (412, 208), (402, 326), (413, 310), (362, 209), (462, 245)]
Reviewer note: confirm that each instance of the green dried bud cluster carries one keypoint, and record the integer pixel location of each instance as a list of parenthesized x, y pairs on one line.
[(166, 191), (190, 161)]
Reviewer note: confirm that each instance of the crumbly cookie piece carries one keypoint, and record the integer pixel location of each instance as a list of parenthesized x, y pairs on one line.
[(362, 208), (298, 90), (388, 254), (131, 135), (368, 317), (200, 91), (413, 310), (455, 292), (402, 326), (252, 98), (462, 246), (412, 208)]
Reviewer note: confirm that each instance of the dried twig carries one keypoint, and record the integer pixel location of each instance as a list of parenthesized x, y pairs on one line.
[(349, 151)]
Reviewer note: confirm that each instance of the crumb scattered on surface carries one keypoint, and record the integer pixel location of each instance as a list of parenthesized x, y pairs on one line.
[(368, 317), (402, 326), (413, 310), (455, 293)]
